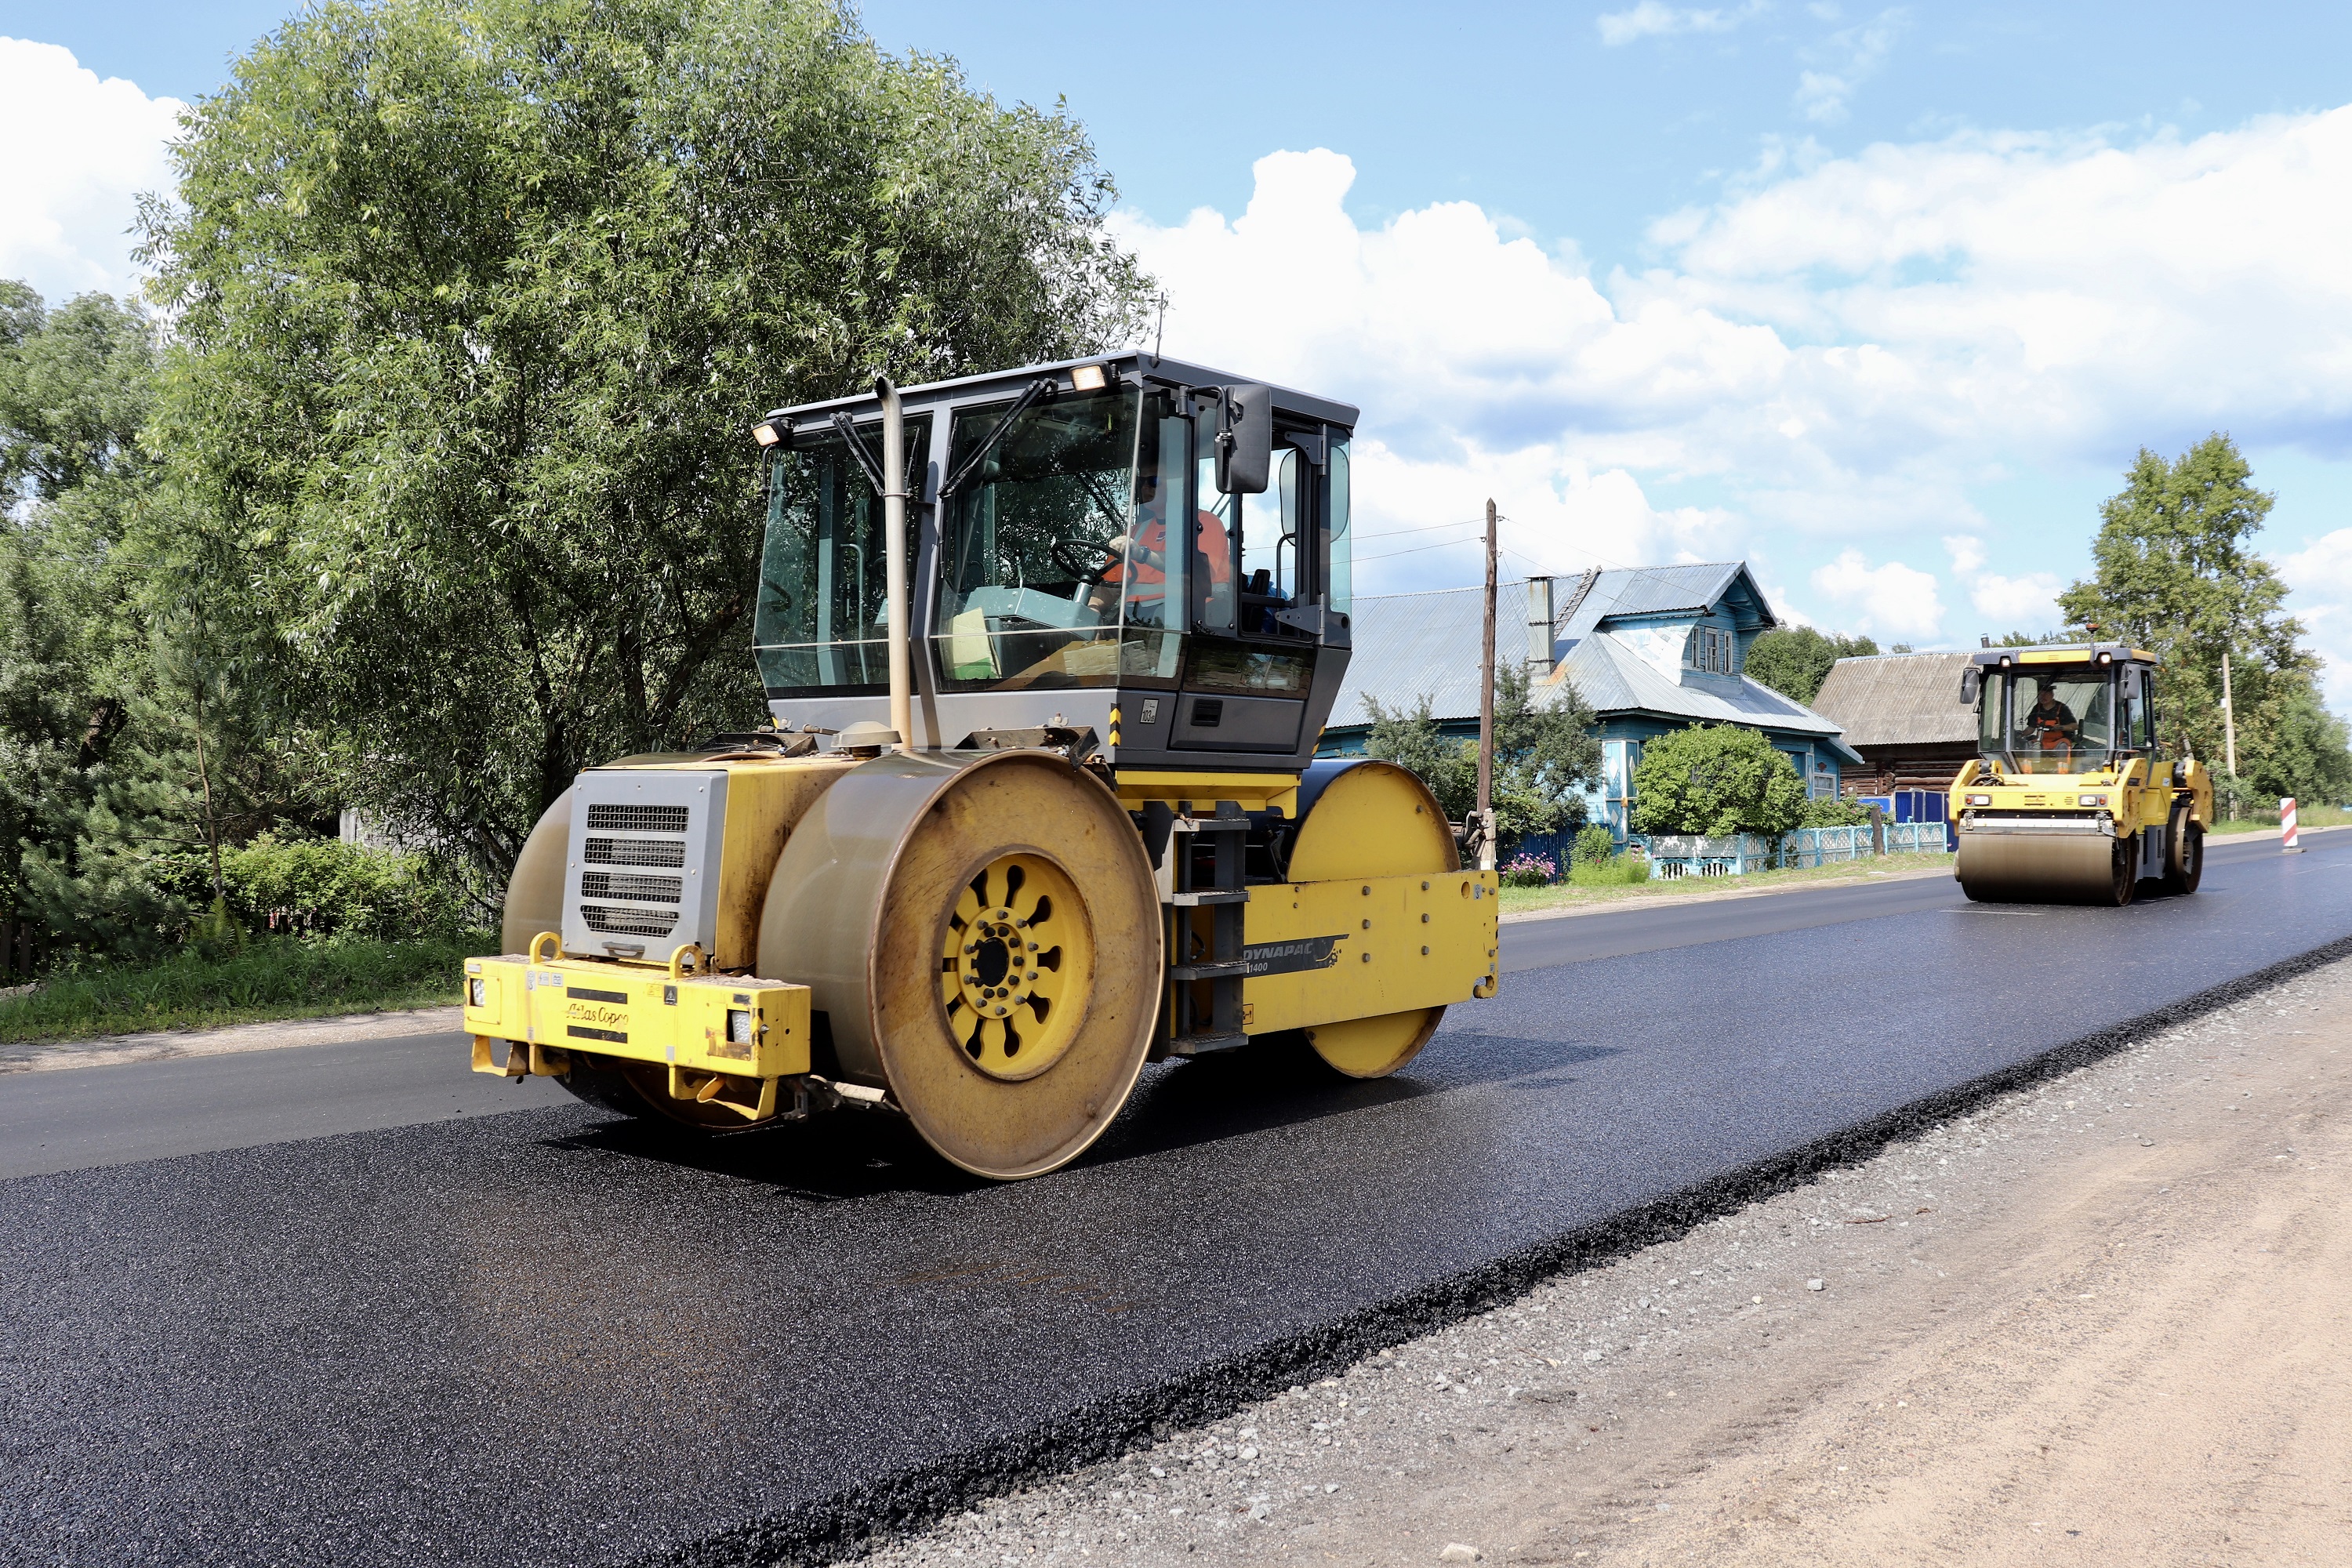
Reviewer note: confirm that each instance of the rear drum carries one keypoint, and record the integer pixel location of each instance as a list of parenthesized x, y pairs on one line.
[(2184, 852), (1370, 819)]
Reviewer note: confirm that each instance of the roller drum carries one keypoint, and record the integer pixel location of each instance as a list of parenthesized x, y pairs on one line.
[(1357, 818), (982, 935), (2045, 867)]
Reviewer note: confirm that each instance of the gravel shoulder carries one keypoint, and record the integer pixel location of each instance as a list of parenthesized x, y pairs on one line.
[(2103, 1320), (163, 1045)]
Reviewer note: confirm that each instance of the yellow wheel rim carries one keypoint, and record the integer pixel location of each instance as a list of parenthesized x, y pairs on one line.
[(1015, 966)]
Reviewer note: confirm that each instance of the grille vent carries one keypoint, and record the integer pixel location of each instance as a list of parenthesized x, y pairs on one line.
[(629, 922), (634, 851), (621, 884), (644, 861), (637, 818)]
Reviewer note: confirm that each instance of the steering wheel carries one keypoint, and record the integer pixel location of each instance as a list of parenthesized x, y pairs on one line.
[(1085, 572)]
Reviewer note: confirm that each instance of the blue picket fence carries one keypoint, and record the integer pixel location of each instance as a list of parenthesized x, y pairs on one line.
[(1674, 856), (1827, 845)]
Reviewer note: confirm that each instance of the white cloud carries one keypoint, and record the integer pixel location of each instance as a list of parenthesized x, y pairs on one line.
[(1840, 348), (1892, 600), (1784, 607), (2065, 294), (1487, 365), (2025, 603), (2320, 578), (79, 150), (1650, 19), (1854, 54)]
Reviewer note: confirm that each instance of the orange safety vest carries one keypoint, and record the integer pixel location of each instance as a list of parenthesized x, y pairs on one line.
[(1151, 585)]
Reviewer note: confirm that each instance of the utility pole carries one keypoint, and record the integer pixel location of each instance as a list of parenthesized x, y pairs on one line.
[(1486, 709)]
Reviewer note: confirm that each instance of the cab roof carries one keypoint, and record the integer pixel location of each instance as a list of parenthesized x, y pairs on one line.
[(1129, 367), (2091, 653)]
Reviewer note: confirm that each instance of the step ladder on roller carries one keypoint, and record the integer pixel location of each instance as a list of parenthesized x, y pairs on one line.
[(1204, 870)]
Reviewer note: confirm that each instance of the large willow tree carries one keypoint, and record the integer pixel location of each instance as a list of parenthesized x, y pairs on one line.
[(474, 304)]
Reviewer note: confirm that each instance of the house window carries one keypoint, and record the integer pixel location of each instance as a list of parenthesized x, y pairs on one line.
[(1708, 649)]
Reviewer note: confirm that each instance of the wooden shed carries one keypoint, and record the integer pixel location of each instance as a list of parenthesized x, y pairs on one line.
[(1903, 714)]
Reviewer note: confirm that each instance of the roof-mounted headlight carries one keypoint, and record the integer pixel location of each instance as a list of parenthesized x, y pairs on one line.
[(769, 432), (1088, 378)]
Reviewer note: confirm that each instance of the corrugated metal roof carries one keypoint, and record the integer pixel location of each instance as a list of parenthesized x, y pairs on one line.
[(1898, 700), (1408, 645), (1614, 680), (1659, 591)]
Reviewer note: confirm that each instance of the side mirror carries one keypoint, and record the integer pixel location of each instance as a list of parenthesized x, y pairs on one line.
[(1246, 440), (1968, 685)]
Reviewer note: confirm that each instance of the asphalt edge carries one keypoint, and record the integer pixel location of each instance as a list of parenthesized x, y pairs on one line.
[(868, 1514)]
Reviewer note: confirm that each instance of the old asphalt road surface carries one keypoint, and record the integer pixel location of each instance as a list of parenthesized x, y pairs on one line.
[(542, 1338)]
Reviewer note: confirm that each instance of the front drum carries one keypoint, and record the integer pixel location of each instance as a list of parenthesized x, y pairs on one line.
[(982, 935)]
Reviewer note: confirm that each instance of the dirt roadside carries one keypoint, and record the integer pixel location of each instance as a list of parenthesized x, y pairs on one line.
[(2102, 1321), (165, 1045)]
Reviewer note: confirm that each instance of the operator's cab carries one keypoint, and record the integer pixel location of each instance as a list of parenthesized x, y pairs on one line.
[(2082, 709), (1155, 551)]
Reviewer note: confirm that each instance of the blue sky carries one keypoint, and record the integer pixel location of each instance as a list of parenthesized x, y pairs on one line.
[(1883, 299)]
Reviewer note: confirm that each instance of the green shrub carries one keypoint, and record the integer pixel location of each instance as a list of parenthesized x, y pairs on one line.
[(326, 885), (1716, 780), (1624, 870), (1595, 845), (1835, 812)]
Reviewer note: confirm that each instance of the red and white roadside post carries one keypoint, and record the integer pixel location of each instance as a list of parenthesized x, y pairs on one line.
[(2287, 845)]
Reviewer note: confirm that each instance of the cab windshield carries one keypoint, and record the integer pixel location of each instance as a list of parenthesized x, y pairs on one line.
[(2051, 720), (1055, 563)]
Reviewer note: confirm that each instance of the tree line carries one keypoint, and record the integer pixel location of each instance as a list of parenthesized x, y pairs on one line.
[(421, 479), (2174, 571)]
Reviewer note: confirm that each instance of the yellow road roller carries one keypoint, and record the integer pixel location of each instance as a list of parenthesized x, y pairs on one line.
[(2071, 799), (1046, 654)]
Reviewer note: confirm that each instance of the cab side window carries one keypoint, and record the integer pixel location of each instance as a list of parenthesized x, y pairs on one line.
[(1270, 545)]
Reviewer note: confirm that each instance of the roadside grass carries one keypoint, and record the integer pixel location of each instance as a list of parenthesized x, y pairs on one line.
[(1628, 879), (272, 979), (2305, 815)]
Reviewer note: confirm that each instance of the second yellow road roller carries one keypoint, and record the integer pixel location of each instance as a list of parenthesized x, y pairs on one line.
[(2071, 798), (1046, 654)]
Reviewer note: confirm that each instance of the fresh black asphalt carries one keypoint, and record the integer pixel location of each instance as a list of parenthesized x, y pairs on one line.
[(542, 1338)]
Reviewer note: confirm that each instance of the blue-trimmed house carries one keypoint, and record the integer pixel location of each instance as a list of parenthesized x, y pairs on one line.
[(1651, 649)]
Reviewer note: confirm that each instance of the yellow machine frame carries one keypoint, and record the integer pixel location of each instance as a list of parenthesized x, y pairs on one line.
[(1326, 953)]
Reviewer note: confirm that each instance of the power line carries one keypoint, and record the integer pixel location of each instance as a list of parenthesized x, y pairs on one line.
[(1425, 528), (1417, 549)]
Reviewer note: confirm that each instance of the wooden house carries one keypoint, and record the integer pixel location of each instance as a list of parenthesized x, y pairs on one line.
[(1903, 712)]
